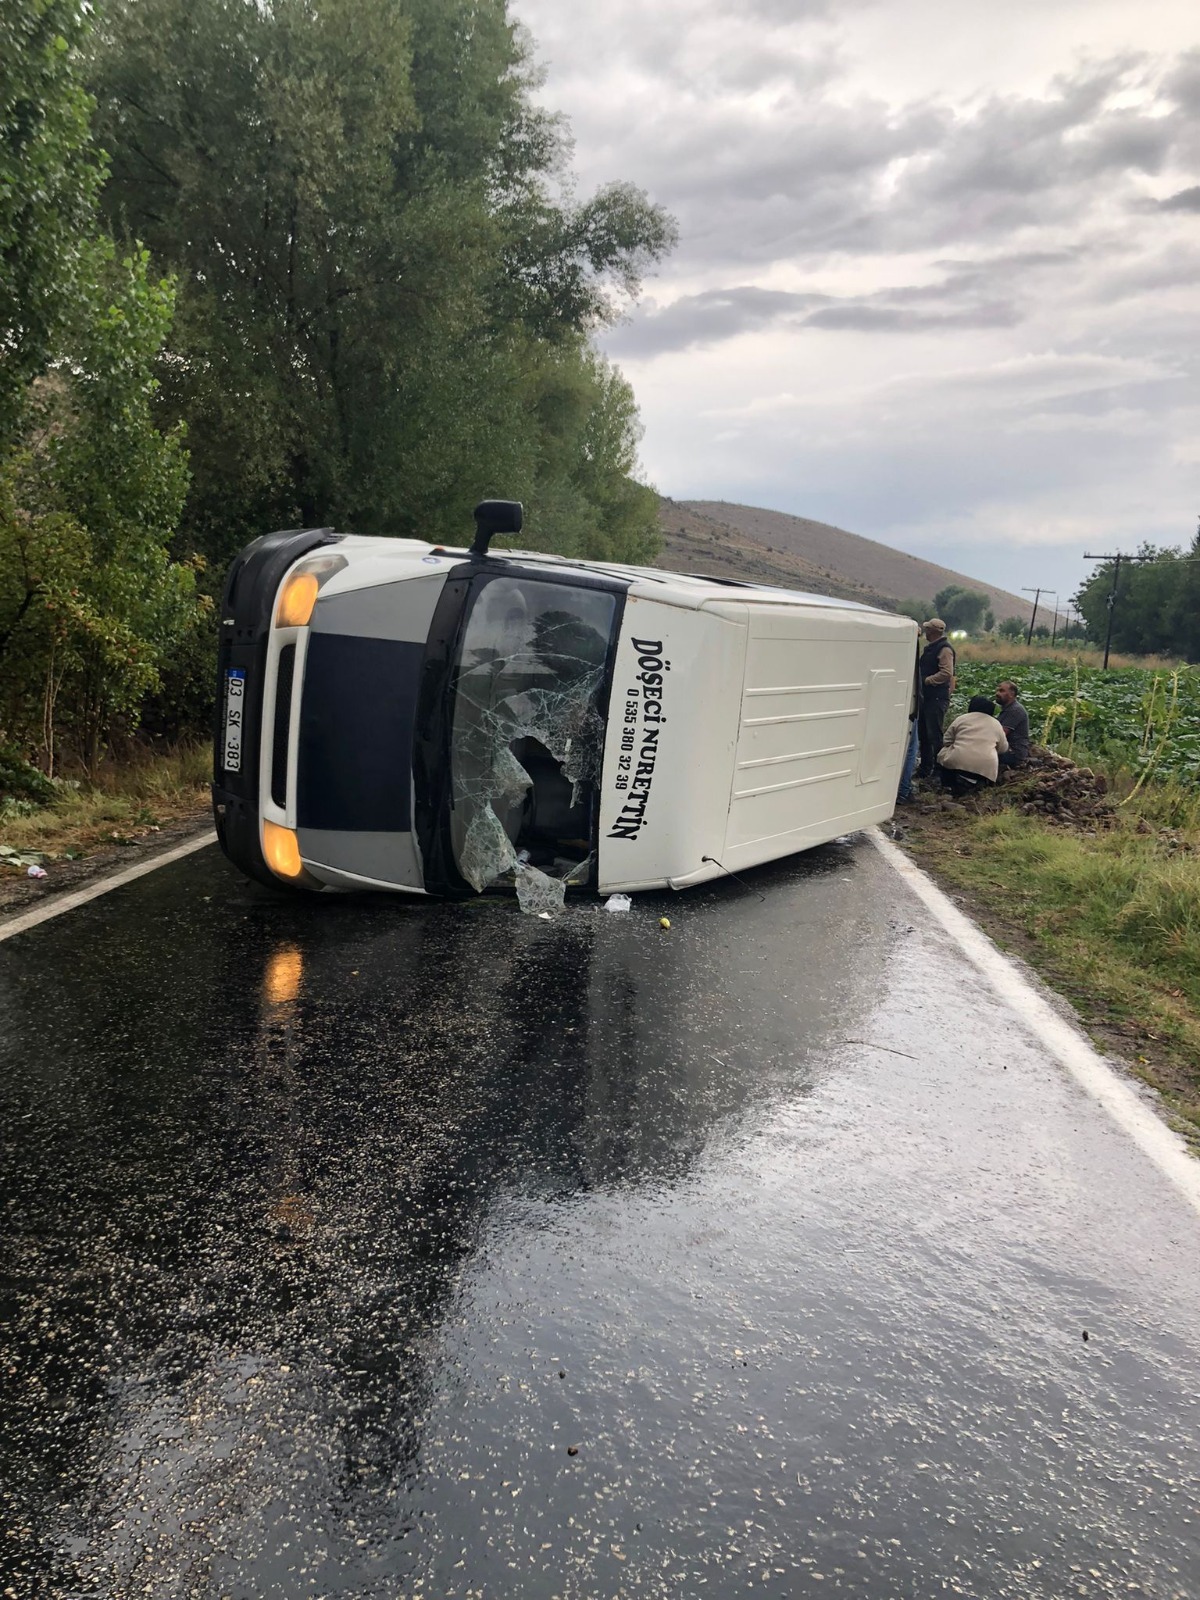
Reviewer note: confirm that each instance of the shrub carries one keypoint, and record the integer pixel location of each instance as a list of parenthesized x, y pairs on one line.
[(20, 780)]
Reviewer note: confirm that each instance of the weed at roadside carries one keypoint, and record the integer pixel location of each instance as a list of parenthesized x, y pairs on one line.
[(128, 799)]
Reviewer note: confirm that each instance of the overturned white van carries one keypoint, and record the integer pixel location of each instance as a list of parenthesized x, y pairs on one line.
[(399, 715)]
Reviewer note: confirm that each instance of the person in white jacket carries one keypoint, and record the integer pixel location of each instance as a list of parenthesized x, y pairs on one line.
[(970, 757)]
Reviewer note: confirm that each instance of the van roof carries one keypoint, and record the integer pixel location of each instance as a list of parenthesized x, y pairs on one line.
[(692, 584)]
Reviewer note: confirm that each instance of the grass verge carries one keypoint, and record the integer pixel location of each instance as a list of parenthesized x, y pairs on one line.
[(1016, 653), (1110, 917), (139, 794)]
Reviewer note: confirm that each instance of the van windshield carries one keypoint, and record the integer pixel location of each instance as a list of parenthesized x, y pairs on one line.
[(527, 730)]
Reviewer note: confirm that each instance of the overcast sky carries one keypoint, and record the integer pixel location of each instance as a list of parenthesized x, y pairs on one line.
[(938, 278)]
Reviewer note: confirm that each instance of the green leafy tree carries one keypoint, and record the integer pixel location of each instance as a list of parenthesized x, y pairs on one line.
[(1012, 628), (1157, 605), (49, 175), (91, 603), (384, 310), (989, 622), (961, 608), (918, 610)]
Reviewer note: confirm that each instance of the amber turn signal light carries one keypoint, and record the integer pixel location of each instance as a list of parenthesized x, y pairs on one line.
[(297, 600), (281, 851)]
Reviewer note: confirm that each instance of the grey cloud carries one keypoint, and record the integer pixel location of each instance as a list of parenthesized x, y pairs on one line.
[(864, 318), (965, 298), (787, 11), (708, 318), (1185, 200), (1183, 82), (1024, 162), (813, 175), (1028, 208), (1010, 261), (794, 72), (1152, 270)]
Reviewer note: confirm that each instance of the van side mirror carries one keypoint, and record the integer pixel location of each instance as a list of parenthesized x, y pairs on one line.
[(493, 517)]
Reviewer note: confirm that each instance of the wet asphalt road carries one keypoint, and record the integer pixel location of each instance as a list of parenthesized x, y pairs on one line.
[(379, 1250)]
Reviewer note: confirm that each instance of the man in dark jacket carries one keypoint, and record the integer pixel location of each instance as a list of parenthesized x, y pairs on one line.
[(904, 794), (936, 674), (1014, 719)]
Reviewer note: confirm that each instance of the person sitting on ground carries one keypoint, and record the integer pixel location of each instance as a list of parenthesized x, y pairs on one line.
[(969, 758), (1014, 719)]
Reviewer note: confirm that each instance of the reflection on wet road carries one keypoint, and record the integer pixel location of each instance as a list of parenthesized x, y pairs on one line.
[(380, 1249)]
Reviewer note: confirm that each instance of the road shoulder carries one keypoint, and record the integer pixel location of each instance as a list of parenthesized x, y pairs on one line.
[(1134, 1014), (21, 894)]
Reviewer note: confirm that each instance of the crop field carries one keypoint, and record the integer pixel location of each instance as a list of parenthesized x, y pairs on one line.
[(1133, 717)]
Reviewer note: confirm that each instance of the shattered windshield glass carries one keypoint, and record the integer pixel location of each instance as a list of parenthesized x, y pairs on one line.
[(527, 737)]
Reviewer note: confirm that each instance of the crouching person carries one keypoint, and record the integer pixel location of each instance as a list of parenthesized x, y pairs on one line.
[(970, 758), (1014, 719)]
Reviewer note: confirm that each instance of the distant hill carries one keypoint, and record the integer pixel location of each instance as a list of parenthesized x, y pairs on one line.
[(772, 547)]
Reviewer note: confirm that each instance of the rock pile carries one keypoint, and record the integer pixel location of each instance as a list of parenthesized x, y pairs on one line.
[(1055, 788)]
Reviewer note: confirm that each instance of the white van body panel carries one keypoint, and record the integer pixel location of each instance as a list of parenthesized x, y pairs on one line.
[(671, 745), (823, 728), (785, 724)]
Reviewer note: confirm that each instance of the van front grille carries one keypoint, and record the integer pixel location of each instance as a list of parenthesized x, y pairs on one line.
[(283, 718)]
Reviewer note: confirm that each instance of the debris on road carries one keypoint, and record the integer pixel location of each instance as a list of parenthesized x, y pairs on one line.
[(538, 894), (10, 856)]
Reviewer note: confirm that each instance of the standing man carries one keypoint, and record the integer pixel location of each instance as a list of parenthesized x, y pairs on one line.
[(936, 673), (1014, 719), (905, 793)]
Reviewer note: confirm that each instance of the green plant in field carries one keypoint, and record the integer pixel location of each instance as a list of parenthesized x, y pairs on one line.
[(1052, 716), (1074, 711), (1160, 719), (1131, 717)]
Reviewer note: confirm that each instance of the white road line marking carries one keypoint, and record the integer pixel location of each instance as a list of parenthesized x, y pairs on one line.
[(1069, 1047), (80, 897)]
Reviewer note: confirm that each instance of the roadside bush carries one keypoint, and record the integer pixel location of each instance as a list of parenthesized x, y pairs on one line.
[(19, 780)]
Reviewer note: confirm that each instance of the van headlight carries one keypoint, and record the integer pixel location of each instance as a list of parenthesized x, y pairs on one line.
[(298, 596)]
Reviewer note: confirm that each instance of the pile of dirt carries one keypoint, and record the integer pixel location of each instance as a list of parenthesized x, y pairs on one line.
[(1055, 788)]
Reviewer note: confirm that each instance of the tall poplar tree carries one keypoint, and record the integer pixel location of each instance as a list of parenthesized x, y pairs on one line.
[(49, 175), (385, 304), (91, 602)]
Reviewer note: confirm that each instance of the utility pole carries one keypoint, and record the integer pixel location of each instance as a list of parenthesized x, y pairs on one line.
[(1037, 595), (1112, 596)]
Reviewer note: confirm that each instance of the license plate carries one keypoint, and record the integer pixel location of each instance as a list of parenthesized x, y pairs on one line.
[(235, 709)]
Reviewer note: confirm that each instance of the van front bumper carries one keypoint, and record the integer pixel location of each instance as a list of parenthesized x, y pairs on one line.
[(247, 607)]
